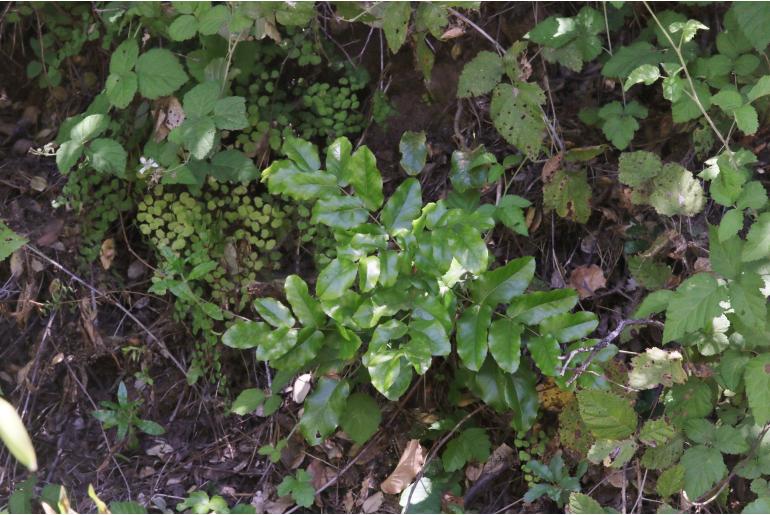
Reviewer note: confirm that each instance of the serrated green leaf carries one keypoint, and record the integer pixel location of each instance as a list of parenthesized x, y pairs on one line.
[(213, 19), (694, 303), (757, 240), (395, 23), (747, 300), (757, 379), (626, 59), (670, 481), (124, 57), (731, 223), (10, 242), (197, 135), (753, 196), (569, 194), (655, 367), (581, 504), (199, 101), (612, 453), (636, 168), (727, 100), (471, 445), (106, 155), (693, 399), (648, 273), (747, 119), (753, 19), (480, 75), (645, 73), (656, 432), (230, 113), (703, 467), (725, 257), (183, 27), (655, 302), (300, 488), (606, 415), (516, 114), (472, 331), (676, 192), (121, 88), (234, 166), (159, 73)]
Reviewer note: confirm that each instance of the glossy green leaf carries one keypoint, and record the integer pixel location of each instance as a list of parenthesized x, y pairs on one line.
[(366, 179), (248, 401), (323, 409), (501, 285), (472, 328), (505, 344), (305, 307), (414, 152), (339, 212), (335, 279), (403, 207), (569, 327), (545, 351), (274, 312), (245, 334), (533, 308)]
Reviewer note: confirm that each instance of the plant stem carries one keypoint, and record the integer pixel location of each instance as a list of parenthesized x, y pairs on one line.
[(695, 98)]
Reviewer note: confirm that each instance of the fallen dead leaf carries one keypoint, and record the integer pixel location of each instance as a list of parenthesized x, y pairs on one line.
[(88, 317), (301, 388), (373, 503), (702, 264), (349, 502), (408, 467), (473, 472), (17, 264), (451, 503), (107, 253), (280, 505), (50, 233), (551, 166), (168, 115), (452, 32), (587, 279), (320, 474)]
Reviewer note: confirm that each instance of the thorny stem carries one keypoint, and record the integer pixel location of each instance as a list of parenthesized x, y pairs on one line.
[(695, 98), (602, 344), (717, 490)]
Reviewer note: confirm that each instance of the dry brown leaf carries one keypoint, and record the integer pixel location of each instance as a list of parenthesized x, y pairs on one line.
[(320, 474), (408, 467), (168, 115), (702, 264), (373, 503), (50, 233), (473, 472), (587, 279), (280, 505), (107, 253), (450, 503), (452, 32), (17, 264), (25, 303), (501, 458), (88, 317), (349, 502), (551, 166), (301, 388)]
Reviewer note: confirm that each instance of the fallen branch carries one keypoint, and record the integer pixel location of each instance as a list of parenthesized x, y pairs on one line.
[(602, 344)]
